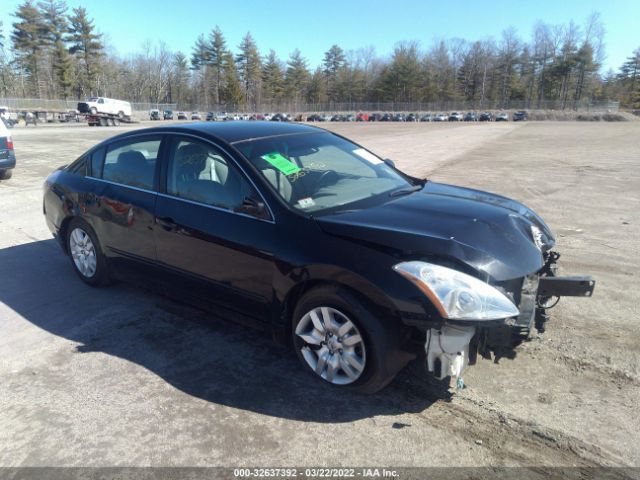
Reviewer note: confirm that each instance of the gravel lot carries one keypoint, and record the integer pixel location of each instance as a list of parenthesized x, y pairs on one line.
[(121, 377)]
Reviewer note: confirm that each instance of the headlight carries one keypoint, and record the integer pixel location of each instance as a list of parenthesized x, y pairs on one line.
[(537, 236), (456, 295)]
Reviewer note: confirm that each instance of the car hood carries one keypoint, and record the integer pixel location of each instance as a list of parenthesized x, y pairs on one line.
[(489, 233)]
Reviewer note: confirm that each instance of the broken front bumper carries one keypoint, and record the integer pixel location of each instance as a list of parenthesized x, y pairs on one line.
[(452, 347)]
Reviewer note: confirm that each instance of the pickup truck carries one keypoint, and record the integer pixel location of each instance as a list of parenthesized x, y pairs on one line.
[(108, 106)]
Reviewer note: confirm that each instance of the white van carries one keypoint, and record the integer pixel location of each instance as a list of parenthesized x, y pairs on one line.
[(106, 105)]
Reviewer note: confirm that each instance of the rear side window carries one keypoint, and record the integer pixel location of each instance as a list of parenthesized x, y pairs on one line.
[(132, 163)]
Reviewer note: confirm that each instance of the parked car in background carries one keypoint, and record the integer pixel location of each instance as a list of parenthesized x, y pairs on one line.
[(455, 117), (167, 114), (210, 117), (196, 116), (7, 154), (337, 118), (398, 117), (360, 269), (411, 118), (280, 117), (350, 118), (486, 117), (502, 117), (314, 117), (109, 106), (362, 117), (9, 119), (426, 117), (181, 116), (470, 117), (375, 117), (154, 114), (440, 117), (520, 115), (68, 116), (387, 117)]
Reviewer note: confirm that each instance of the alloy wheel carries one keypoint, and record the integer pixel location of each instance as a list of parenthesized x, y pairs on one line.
[(333, 346), (83, 252)]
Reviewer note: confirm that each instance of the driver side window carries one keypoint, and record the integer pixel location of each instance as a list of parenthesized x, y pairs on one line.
[(199, 172)]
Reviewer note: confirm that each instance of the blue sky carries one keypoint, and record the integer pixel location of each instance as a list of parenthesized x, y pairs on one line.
[(313, 26)]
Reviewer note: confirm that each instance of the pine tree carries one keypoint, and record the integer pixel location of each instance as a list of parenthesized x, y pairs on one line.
[(217, 54), (297, 76), (334, 60), (249, 70), (629, 79), (200, 64), (232, 91), (316, 93), (87, 44), (272, 78), (63, 69), (28, 38), (179, 82), (401, 80), (54, 14)]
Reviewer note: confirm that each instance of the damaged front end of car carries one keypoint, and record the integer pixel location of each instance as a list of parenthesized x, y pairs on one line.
[(487, 320)]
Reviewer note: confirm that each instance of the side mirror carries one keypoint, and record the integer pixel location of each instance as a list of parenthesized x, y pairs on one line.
[(390, 163), (254, 207)]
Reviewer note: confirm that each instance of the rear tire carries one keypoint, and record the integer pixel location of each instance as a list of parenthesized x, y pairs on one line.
[(85, 253), (5, 174), (352, 351)]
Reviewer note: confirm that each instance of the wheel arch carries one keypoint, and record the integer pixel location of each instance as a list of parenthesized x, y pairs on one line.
[(352, 284)]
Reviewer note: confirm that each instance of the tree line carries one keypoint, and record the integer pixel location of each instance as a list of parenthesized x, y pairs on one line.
[(50, 51)]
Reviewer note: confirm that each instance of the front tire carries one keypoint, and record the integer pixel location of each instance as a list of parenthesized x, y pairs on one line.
[(340, 341), (86, 254), (5, 174)]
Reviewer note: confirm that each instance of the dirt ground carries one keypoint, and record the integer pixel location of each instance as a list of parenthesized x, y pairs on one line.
[(120, 377)]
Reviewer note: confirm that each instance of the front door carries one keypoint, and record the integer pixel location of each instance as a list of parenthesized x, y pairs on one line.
[(214, 250)]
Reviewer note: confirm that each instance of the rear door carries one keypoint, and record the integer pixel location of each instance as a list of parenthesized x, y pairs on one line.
[(124, 198), (214, 251)]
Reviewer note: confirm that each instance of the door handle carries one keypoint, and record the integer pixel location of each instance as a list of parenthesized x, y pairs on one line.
[(167, 223)]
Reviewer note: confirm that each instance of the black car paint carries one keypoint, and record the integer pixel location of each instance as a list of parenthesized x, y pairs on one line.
[(256, 268)]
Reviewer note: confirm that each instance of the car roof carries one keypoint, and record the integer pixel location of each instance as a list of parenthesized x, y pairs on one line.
[(234, 131)]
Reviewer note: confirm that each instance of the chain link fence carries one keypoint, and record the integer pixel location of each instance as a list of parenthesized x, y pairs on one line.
[(416, 107), (142, 109)]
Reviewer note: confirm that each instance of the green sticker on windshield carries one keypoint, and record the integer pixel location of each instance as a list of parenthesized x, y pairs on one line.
[(281, 163)]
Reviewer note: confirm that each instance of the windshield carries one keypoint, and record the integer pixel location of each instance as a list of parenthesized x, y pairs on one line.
[(318, 171)]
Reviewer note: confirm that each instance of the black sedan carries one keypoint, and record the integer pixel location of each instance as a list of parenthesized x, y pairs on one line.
[(314, 239)]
